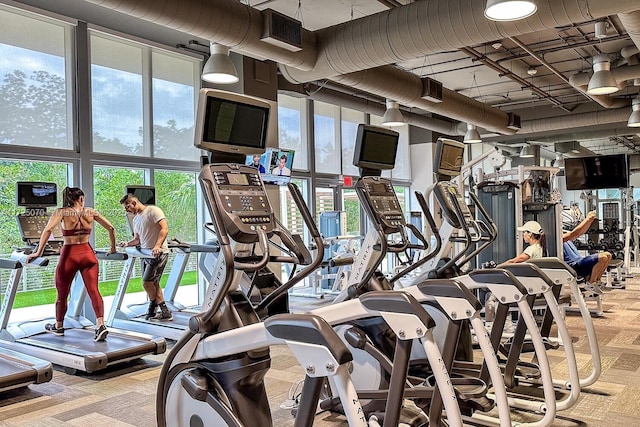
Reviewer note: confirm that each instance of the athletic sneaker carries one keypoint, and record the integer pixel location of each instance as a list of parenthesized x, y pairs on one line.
[(593, 288), (164, 314), (151, 311), (101, 333), (52, 329)]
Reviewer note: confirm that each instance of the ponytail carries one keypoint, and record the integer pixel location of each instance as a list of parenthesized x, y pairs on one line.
[(542, 241), (70, 195)]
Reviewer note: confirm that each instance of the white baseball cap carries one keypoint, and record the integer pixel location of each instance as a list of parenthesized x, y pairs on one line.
[(532, 227)]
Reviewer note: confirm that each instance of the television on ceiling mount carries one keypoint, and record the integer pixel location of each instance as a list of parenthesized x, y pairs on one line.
[(448, 158), (231, 123), (375, 148), (597, 172)]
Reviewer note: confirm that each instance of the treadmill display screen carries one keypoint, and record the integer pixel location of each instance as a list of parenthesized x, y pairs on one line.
[(237, 179)]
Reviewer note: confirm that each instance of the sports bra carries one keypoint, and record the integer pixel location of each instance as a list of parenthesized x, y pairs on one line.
[(76, 231)]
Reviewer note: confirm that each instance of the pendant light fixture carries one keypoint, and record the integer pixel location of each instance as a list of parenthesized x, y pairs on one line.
[(219, 68), (392, 117), (634, 118), (472, 135), (509, 10), (528, 151), (602, 81)]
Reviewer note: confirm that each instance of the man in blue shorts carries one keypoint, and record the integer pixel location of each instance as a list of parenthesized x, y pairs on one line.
[(591, 266)]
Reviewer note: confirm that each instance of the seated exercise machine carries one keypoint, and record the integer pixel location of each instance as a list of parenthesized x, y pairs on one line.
[(75, 350), (18, 370)]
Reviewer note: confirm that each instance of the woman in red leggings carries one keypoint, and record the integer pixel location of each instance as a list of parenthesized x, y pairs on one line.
[(76, 256)]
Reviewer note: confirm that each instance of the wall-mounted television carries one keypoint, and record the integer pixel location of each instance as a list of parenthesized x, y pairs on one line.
[(596, 172), (448, 158), (145, 193), (275, 165), (375, 148), (231, 123), (36, 194)]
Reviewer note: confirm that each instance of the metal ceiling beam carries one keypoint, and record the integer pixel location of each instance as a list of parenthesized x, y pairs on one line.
[(477, 56)]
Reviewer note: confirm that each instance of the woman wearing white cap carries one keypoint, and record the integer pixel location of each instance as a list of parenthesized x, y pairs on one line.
[(534, 236)]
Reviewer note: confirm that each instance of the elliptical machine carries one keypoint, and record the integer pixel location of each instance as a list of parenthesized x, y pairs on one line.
[(214, 374)]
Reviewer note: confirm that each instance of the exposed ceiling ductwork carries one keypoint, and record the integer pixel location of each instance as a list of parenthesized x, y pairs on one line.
[(357, 53), (400, 33), (377, 108)]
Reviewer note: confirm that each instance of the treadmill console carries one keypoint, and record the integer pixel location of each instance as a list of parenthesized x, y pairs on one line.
[(443, 191), (31, 227), (238, 192), (384, 203)]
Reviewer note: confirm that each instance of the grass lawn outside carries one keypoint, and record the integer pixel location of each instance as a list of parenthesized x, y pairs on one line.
[(48, 296)]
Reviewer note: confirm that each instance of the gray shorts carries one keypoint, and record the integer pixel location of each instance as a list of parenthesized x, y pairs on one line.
[(152, 268)]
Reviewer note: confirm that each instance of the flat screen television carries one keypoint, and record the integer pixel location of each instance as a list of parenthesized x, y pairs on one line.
[(275, 165), (36, 194), (145, 193), (375, 148), (231, 123), (597, 172), (448, 159)]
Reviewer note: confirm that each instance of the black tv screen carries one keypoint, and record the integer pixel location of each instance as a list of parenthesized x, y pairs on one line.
[(145, 193), (230, 122), (375, 147), (36, 194), (448, 157), (596, 172)]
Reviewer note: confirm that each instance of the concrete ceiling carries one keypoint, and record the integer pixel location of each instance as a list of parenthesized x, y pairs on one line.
[(505, 73)]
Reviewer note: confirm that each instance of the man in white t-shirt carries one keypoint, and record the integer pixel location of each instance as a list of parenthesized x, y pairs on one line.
[(150, 232)]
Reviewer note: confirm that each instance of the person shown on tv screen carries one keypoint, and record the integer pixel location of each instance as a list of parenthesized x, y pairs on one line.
[(591, 266), (256, 164), (282, 169)]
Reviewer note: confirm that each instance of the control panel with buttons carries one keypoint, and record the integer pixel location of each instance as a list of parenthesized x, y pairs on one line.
[(241, 197), (384, 202)]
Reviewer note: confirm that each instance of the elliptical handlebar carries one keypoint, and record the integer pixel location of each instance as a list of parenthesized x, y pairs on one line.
[(263, 244), (296, 195), (493, 232), (465, 229)]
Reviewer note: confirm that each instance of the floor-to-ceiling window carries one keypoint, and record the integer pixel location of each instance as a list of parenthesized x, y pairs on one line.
[(142, 101)]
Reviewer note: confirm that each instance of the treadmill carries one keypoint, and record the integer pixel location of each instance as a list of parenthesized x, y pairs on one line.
[(19, 370), (132, 317), (75, 350)]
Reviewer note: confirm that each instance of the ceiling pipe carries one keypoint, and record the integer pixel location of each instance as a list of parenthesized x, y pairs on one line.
[(406, 88), (377, 108), (477, 56), (622, 74), (384, 38), (629, 56), (576, 120), (545, 63), (400, 33), (228, 22), (631, 22), (387, 37), (570, 136)]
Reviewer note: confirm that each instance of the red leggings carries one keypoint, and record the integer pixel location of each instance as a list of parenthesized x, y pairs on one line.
[(74, 258)]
